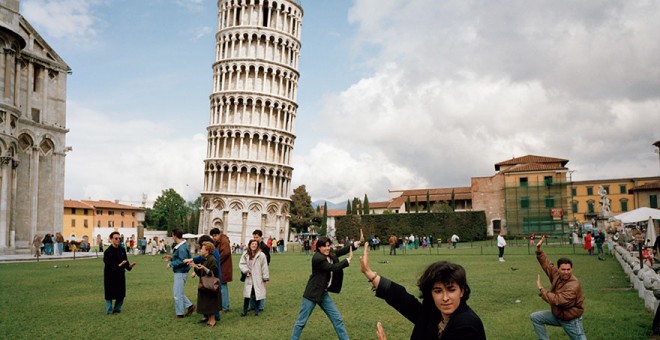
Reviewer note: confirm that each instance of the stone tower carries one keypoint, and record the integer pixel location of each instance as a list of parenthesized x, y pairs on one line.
[(247, 170), (32, 132)]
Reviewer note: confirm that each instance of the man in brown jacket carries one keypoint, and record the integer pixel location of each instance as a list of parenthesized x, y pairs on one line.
[(393, 240), (224, 248), (565, 298)]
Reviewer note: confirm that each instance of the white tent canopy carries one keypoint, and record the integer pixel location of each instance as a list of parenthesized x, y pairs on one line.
[(638, 215)]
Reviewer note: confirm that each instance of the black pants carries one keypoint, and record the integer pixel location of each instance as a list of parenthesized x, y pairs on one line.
[(501, 251)]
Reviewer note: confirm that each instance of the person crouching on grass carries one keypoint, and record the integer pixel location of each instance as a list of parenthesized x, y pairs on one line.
[(443, 312), (564, 297), (327, 276)]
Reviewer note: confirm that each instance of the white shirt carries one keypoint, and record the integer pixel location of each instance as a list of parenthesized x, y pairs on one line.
[(500, 241)]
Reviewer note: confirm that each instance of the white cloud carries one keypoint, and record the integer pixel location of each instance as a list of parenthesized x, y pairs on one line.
[(459, 86), (114, 159), (333, 174), (71, 19)]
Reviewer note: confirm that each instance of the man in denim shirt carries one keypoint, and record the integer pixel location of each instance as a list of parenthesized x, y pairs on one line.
[(181, 303)]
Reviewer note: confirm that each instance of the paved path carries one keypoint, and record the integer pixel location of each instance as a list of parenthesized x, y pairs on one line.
[(12, 258)]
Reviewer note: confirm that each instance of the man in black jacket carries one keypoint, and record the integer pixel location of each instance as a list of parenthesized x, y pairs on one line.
[(327, 276)]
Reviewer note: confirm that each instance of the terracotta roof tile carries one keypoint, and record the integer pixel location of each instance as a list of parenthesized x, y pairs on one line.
[(336, 212), (647, 186), (111, 205), (534, 167), (531, 159), (77, 204), (379, 205)]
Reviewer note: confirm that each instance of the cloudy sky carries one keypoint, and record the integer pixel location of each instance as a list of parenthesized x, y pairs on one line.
[(393, 94)]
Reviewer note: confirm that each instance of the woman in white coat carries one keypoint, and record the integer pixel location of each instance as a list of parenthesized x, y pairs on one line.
[(254, 267)]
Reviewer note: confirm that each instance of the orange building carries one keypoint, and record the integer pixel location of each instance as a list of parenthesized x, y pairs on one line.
[(81, 217)]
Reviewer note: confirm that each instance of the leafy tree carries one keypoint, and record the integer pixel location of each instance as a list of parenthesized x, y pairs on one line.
[(302, 210), (441, 207), (348, 207), (193, 215), (318, 209), (428, 202), (169, 211), (365, 205)]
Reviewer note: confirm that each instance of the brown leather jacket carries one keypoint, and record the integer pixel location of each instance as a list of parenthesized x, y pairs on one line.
[(565, 296)]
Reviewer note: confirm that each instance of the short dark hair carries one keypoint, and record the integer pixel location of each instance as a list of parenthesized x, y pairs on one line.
[(322, 241), (445, 272), (114, 233), (214, 231), (177, 232), (204, 238), (564, 260), (257, 232)]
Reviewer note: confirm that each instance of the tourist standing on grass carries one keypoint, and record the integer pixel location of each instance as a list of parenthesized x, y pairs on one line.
[(599, 238), (501, 243), (443, 312), (223, 246), (48, 244), (182, 305), (454, 240), (564, 297), (99, 242), (254, 265), (200, 259), (258, 235), (393, 244), (327, 276), (114, 278), (588, 246), (208, 303)]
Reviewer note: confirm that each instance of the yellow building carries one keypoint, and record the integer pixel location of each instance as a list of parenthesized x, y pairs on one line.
[(78, 219), (81, 217), (625, 194)]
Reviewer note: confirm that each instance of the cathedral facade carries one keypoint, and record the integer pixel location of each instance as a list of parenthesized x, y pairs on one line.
[(32, 132), (247, 170)]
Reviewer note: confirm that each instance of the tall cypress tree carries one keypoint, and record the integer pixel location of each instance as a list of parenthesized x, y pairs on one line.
[(324, 222), (453, 201), (428, 202), (356, 205), (416, 204), (408, 204), (349, 211), (366, 204)]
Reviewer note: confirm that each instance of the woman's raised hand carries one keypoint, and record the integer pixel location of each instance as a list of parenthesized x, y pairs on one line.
[(364, 262)]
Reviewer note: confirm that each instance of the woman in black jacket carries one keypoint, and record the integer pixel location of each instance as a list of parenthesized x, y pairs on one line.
[(443, 312)]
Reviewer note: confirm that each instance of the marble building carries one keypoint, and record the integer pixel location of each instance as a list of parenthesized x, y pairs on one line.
[(32, 132), (247, 170)]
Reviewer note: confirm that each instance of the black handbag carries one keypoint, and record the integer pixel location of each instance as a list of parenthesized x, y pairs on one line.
[(208, 284), (243, 276)]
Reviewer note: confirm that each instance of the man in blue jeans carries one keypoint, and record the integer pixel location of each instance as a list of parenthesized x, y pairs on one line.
[(327, 276), (565, 298), (182, 305)]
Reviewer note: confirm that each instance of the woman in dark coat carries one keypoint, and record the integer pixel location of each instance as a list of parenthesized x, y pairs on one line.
[(443, 312), (114, 278), (207, 303)]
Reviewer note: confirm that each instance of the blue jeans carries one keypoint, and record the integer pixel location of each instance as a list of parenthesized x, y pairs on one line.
[(181, 302), (573, 328), (330, 310), (117, 309), (224, 290)]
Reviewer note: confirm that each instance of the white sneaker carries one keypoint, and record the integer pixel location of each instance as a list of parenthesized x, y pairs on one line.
[(501, 259)]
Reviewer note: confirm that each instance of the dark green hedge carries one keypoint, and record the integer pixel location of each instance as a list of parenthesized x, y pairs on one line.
[(469, 226)]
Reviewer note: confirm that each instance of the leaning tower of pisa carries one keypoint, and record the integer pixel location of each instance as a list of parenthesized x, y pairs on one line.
[(247, 170)]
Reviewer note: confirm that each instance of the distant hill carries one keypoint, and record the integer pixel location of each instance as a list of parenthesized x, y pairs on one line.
[(330, 204)]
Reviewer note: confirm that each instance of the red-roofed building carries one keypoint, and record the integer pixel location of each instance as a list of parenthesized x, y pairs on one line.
[(81, 217)]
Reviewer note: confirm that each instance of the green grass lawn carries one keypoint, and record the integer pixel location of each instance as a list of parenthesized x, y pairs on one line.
[(38, 300)]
